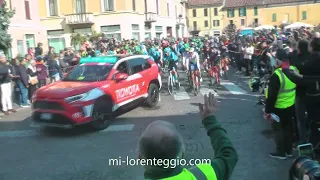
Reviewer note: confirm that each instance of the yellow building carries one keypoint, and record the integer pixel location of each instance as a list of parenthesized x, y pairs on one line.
[(305, 11), (252, 13), (243, 13), (205, 17), (122, 19)]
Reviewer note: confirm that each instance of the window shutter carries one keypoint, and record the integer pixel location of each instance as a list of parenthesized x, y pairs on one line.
[(27, 9), (232, 12), (245, 11), (239, 12)]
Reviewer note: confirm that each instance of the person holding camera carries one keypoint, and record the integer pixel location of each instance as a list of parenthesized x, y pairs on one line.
[(161, 140)]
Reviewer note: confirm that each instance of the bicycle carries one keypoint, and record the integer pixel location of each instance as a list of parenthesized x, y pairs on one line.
[(214, 76), (172, 82), (194, 82)]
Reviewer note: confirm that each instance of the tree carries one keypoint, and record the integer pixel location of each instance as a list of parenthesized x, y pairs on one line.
[(5, 16), (77, 39)]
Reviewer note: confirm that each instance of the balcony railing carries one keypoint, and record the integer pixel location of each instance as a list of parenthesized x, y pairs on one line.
[(80, 18), (150, 17)]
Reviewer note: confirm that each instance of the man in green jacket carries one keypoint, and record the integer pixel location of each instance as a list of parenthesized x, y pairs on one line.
[(162, 141)]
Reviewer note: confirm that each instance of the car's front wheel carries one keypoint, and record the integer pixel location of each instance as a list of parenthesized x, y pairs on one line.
[(102, 113), (153, 95)]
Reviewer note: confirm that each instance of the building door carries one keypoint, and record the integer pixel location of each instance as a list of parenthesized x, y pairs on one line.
[(169, 31)]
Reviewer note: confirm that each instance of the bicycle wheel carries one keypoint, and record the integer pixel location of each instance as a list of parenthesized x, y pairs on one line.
[(170, 84), (190, 80)]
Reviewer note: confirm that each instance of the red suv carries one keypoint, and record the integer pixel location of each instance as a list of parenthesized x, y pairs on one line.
[(95, 89)]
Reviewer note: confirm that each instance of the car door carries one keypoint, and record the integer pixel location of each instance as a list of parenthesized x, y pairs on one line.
[(137, 77), (121, 90)]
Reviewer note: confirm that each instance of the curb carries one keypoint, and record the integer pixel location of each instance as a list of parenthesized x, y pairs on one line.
[(16, 107)]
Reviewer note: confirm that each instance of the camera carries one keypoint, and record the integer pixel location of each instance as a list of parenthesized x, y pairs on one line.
[(305, 167)]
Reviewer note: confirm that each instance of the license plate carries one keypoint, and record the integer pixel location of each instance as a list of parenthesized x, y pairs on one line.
[(46, 116)]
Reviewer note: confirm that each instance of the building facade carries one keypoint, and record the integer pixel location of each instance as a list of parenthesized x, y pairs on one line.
[(243, 13), (205, 17), (122, 19), (290, 11), (25, 27), (252, 13)]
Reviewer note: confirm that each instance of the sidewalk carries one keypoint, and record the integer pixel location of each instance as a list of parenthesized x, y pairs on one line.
[(16, 107)]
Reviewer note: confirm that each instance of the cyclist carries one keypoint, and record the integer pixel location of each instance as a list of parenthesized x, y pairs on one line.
[(172, 60), (193, 62)]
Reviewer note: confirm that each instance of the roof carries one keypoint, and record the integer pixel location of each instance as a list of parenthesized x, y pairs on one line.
[(242, 3), (284, 1), (205, 2)]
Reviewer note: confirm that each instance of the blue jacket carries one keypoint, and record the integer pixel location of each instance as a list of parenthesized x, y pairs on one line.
[(172, 57)]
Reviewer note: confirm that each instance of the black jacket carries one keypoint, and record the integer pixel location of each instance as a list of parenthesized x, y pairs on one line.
[(4, 73), (22, 72), (53, 68)]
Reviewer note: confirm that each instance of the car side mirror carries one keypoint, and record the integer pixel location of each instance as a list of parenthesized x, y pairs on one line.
[(120, 76)]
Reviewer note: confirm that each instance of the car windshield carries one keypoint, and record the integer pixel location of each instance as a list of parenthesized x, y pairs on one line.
[(88, 73)]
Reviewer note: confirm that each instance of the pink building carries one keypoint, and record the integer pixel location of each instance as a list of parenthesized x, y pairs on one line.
[(25, 26)]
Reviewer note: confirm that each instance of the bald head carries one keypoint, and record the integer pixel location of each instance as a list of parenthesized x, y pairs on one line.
[(317, 35), (160, 140)]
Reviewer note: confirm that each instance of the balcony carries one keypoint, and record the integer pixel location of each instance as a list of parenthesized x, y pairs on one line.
[(150, 17), (183, 1), (80, 19)]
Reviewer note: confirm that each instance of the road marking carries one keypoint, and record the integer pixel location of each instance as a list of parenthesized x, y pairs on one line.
[(205, 91), (117, 128), (234, 89), (181, 95), (13, 134)]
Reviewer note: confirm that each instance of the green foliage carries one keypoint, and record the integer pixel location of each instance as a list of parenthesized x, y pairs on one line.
[(77, 39), (95, 36), (5, 16)]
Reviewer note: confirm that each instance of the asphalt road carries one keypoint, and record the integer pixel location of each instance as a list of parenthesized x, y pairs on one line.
[(31, 153)]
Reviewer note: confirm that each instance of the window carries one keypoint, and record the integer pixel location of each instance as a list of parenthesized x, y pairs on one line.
[(195, 24), (216, 11), (147, 35), (158, 28), (274, 17), (112, 31), (135, 27), (138, 65), (206, 24), (194, 13), (20, 47), (158, 35), (133, 5), (304, 15), (30, 41), (230, 13), (216, 23), (205, 11), (27, 9), (108, 5), (176, 12), (242, 12), (57, 43), (80, 6), (242, 22), (135, 31), (255, 11), (53, 8), (168, 9), (123, 67), (82, 30), (157, 5), (136, 36)]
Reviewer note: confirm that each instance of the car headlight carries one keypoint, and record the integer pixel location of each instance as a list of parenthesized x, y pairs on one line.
[(90, 95)]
